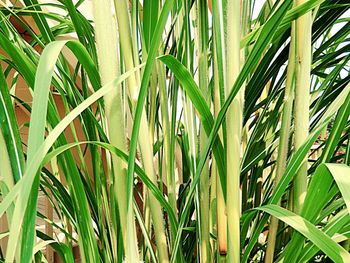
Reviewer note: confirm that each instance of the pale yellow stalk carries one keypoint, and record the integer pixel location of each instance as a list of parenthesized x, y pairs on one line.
[(302, 98), (145, 140), (106, 41), (283, 142), (234, 131), (221, 218), (204, 182)]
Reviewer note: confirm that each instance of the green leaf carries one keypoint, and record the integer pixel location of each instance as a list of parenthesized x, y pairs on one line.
[(10, 134), (320, 239), (22, 189)]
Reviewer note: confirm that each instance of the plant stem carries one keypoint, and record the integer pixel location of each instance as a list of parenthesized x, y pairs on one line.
[(127, 45), (219, 84), (189, 112), (221, 218), (302, 97), (144, 140), (204, 198), (283, 141), (105, 32), (234, 130), (169, 161)]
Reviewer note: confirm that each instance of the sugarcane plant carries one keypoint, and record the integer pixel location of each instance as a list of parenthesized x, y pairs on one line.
[(175, 131)]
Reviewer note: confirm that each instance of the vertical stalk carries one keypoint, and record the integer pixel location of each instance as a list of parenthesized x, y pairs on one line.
[(204, 213), (169, 160), (221, 219), (283, 141), (126, 42), (188, 108), (219, 84), (155, 208), (302, 87), (189, 113), (146, 146), (234, 130), (246, 13), (106, 41), (212, 204)]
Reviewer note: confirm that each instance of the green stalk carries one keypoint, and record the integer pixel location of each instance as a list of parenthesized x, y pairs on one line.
[(212, 205), (188, 108), (221, 219), (189, 113), (204, 199), (127, 45), (145, 140), (152, 102), (126, 42), (302, 97), (245, 29), (283, 142), (234, 131), (303, 49), (169, 160), (106, 41), (219, 83), (155, 208)]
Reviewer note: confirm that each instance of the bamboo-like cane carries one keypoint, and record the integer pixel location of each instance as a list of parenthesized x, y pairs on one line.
[(202, 45), (106, 41), (302, 98), (145, 140), (283, 142), (234, 130)]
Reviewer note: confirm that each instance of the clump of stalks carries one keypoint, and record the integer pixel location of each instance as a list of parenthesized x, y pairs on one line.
[(223, 100)]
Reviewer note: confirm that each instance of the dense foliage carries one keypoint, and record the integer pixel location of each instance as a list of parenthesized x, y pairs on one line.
[(175, 131)]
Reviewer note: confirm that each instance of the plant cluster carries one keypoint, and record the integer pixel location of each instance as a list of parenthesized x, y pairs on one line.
[(175, 130)]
